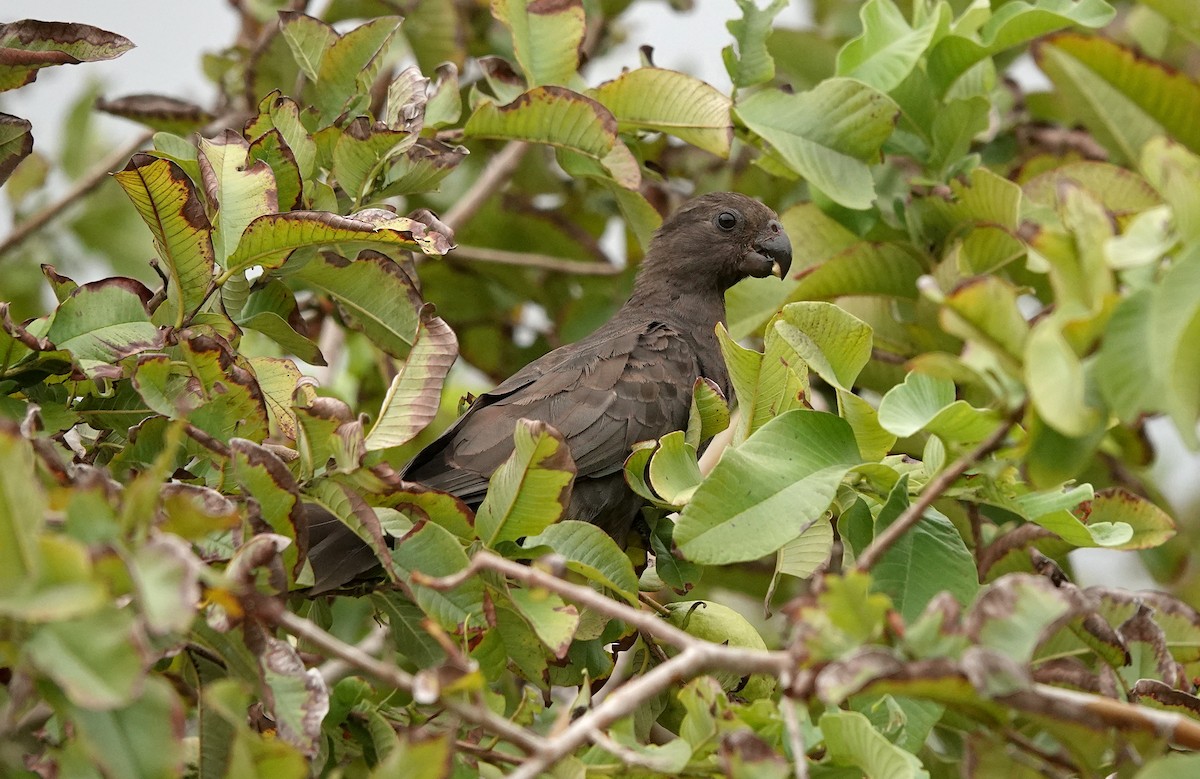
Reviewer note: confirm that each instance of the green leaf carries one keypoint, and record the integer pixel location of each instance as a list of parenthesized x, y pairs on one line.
[(16, 143), (269, 240), (547, 38), (103, 321), (143, 739), (767, 384), (671, 102), (673, 470), (765, 492), (166, 200), (411, 637), (350, 65), (828, 134), (551, 619), (271, 148), (925, 402), (803, 555), (752, 64), (903, 572), (835, 344), (1054, 375), (99, 660), (1011, 25), (1151, 525), (861, 269), (167, 576), (984, 310), (873, 440), (888, 48), (709, 413), (851, 740), (415, 393), (22, 509), (563, 119), (360, 153), (1123, 98), (309, 38), (531, 490), (238, 191), (375, 292), (590, 552)]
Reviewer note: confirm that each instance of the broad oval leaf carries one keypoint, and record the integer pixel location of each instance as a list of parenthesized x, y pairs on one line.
[(531, 490), (547, 37), (670, 102), (269, 240), (561, 118), (415, 393), (828, 134), (762, 494), (166, 200), (590, 552)]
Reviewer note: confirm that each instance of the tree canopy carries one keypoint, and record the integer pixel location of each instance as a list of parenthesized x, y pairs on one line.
[(988, 334)]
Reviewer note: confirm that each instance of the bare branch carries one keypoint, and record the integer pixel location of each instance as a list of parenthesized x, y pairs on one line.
[(477, 715), (787, 707), (84, 185), (497, 172), (1098, 711), (530, 260), (933, 490)]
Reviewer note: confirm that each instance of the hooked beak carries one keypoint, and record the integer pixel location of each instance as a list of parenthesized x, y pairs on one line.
[(771, 254)]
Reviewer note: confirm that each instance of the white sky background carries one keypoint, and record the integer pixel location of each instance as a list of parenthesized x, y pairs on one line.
[(171, 35)]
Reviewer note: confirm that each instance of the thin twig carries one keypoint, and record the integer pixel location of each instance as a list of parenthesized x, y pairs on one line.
[(1099, 711), (497, 172), (933, 490), (787, 707), (623, 701), (534, 577), (82, 186), (336, 669), (696, 657), (531, 260), (480, 716)]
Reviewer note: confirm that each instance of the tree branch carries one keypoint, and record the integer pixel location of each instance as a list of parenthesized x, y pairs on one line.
[(82, 186), (530, 260), (933, 490), (478, 715), (497, 172)]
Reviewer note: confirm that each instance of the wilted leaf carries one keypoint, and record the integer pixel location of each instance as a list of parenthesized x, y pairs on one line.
[(29, 45), (413, 398), (560, 118), (670, 102), (16, 143), (161, 112), (166, 200)]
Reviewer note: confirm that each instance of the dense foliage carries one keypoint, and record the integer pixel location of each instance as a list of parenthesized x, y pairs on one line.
[(996, 292)]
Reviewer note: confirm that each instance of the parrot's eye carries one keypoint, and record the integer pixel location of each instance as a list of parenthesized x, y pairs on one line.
[(727, 220)]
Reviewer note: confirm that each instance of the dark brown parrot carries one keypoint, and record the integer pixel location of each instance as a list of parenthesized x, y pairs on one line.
[(629, 381)]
